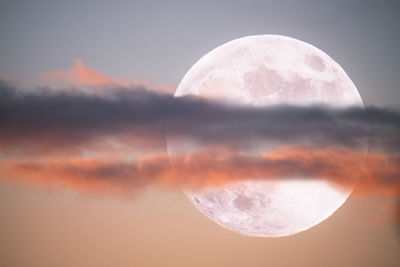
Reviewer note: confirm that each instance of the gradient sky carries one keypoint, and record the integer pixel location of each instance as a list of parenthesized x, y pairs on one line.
[(157, 42)]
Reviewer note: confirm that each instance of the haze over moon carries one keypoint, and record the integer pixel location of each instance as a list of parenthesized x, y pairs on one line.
[(261, 71)]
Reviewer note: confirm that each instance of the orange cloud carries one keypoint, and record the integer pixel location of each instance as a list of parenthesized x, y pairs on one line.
[(79, 74), (374, 173), (82, 75)]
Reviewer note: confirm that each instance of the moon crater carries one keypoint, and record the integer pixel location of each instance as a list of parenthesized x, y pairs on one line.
[(315, 62)]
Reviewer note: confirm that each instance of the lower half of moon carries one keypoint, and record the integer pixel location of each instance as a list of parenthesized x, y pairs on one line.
[(270, 208)]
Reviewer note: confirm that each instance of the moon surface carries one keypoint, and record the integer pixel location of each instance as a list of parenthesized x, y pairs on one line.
[(259, 71)]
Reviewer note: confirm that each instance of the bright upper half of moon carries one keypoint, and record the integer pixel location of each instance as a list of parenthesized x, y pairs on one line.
[(260, 71)]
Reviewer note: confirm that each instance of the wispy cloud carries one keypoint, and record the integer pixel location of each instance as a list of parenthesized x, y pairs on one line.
[(80, 75), (214, 167)]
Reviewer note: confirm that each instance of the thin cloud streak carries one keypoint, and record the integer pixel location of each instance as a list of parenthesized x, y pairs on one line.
[(342, 167)]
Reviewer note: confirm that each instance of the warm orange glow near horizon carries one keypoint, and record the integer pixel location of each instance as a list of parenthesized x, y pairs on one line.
[(342, 167)]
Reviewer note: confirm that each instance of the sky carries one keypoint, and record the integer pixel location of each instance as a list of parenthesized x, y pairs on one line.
[(87, 219)]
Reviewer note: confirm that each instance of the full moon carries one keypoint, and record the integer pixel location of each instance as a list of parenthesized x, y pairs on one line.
[(260, 71)]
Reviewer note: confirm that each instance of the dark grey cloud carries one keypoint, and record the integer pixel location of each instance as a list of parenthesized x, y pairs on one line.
[(63, 118)]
